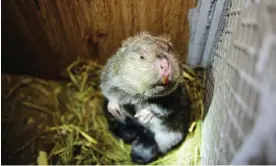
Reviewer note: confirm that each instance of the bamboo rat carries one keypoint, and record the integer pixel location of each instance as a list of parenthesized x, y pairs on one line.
[(142, 85)]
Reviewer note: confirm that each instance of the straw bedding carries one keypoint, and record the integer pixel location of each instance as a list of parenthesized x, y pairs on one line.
[(48, 122)]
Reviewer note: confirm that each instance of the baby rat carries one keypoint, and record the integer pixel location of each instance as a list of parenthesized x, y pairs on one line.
[(145, 74)]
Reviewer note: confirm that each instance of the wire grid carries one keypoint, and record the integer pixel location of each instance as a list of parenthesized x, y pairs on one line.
[(234, 82), (200, 19)]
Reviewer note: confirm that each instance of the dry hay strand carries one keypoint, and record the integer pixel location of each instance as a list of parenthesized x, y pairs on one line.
[(64, 123)]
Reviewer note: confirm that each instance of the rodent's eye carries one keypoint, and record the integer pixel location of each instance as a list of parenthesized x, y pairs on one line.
[(158, 56), (142, 57)]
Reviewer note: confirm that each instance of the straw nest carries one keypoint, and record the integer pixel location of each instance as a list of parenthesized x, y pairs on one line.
[(47, 122)]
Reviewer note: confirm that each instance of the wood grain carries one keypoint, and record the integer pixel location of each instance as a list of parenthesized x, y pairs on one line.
[(50, 34)]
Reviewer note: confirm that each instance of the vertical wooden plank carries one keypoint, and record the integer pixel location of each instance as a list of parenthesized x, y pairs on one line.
[(58, 32)]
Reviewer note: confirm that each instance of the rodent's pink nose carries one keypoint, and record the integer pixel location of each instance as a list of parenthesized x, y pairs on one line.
[(165, 67), (164, 64)]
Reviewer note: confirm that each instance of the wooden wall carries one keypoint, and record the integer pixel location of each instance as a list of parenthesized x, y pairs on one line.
[(40, 37)]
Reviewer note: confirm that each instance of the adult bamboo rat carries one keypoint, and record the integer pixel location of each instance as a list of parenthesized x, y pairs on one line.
[(142, 84)]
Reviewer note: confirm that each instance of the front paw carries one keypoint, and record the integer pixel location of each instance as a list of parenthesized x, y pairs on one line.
[(145, 116), (115, 110)]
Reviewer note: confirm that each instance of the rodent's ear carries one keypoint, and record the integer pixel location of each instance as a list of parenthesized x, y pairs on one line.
[(144, 34), (166, 38)]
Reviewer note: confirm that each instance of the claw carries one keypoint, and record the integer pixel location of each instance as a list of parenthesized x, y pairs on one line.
[(144, 116), (115, 110)]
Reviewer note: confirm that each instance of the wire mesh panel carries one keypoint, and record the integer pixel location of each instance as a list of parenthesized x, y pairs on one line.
[(233, 109), (200, 19), (260, 145)]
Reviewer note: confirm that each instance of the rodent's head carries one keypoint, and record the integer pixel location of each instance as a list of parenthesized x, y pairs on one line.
[(150, 65)]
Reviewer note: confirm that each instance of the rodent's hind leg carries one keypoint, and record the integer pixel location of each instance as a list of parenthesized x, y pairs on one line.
[(167, 140), (144, 149), (127, 131)]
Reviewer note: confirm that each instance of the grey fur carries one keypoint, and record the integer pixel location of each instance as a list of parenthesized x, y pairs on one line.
[(131, 82)]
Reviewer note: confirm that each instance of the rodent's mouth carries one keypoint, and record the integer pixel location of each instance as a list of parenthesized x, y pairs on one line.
[(162, 84), (164, 80)]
